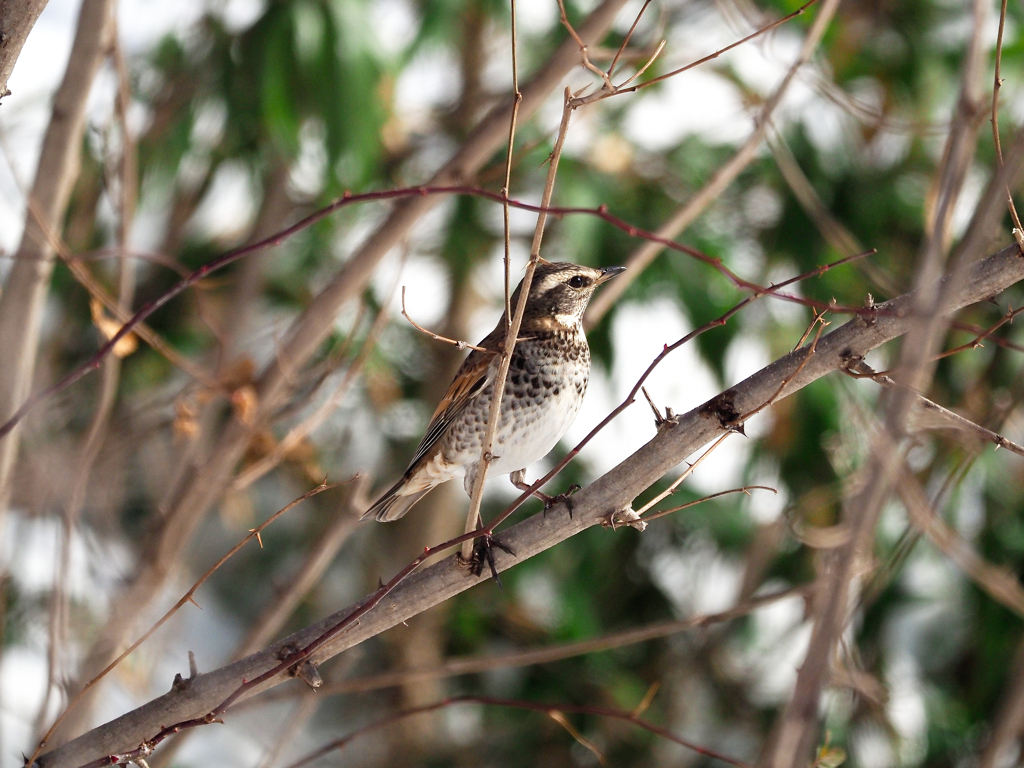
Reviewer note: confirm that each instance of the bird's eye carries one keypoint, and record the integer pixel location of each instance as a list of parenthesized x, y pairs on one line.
[(578, 281)]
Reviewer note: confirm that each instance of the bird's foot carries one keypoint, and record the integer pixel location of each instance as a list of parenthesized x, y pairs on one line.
[(519, 481), (483, 554), (562, 498)]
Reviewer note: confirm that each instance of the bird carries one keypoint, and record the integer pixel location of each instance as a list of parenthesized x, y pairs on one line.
[(547, 378)]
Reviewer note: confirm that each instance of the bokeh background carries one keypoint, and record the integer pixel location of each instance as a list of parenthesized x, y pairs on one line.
[(247, 115)]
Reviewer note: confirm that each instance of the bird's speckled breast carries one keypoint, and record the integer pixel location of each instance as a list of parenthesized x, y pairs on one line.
[(547, 379)]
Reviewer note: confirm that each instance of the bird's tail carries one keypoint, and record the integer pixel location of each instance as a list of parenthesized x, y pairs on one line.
[(393, 504)]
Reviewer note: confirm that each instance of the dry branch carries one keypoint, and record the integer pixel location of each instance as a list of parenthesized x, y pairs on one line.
[(17, 17), (24, 294), (592, 505)]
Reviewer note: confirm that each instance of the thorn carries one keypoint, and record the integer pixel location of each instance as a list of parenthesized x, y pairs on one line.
[(193, 601), (380, 583), (658, 420), (193, 668), (258, 537)]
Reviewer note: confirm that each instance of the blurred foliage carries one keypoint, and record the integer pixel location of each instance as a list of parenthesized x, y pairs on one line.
[(315, 97)]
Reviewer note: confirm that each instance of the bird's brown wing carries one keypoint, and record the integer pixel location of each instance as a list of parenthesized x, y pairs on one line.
[(473, 377)]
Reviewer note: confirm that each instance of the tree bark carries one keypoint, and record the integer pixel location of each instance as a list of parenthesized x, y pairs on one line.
[(17, 17)]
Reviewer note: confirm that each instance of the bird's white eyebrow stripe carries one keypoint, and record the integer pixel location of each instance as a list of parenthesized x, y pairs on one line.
[(547, 283)]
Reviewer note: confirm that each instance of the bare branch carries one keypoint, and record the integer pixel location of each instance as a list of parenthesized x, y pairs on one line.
[(612, 491), (945, 418), (16, 21), (24, 294), (436, 336)]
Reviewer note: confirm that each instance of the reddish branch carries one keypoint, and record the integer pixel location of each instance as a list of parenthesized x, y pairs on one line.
[(236, 254)]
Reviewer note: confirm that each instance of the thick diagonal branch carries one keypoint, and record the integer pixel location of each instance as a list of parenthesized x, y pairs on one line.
[(609, 493)]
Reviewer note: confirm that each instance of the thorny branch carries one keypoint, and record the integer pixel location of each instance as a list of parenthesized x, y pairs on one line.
[(642, 469), (470, 536), (438, 337), (188, 597)]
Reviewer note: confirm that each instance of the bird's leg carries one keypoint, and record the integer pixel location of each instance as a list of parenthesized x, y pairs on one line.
[(518, 479)]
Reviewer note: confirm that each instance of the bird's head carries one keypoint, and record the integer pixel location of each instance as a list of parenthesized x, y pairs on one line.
[(560, 292)]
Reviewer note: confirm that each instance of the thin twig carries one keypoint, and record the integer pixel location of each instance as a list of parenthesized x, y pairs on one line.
[(608, 89), (949, 418), (436, 336), (745, 489), (517, 99), (627, 38), (976, 342), (682, 477), (512, 333), (1018, 230)]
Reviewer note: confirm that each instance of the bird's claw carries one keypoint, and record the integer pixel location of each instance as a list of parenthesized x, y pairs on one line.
[(562, 498), (483, 554)]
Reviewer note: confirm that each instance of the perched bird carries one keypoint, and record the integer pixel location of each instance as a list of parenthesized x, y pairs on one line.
[(547, 378)]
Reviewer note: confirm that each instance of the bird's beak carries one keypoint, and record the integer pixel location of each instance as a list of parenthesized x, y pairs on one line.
[(608, 273)]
